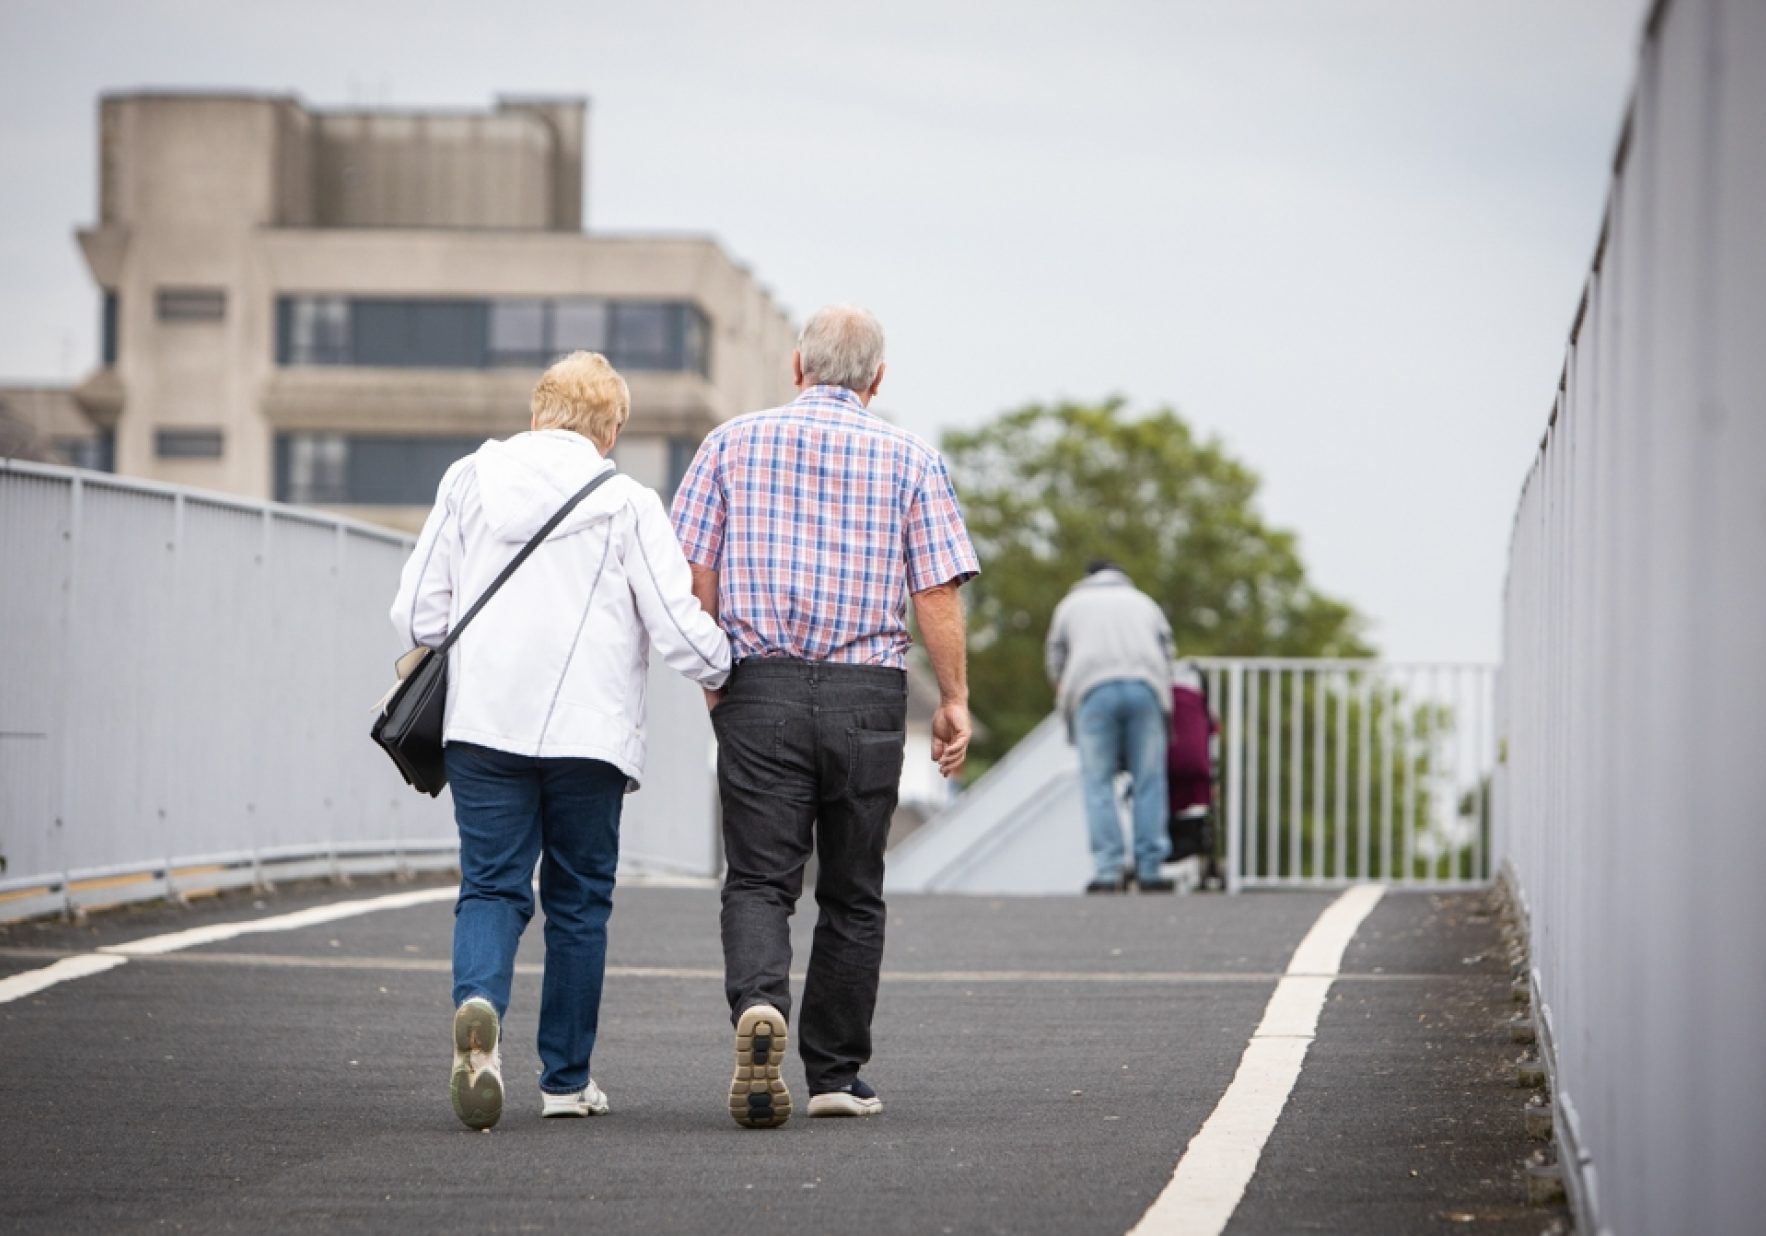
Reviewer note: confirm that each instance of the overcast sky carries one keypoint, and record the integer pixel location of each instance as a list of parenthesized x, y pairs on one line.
[(1346, 236)]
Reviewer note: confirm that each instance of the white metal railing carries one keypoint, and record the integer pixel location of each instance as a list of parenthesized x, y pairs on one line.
[(185, 685), (1631, 807), (184, 690), (1327, 773), (1333, 772)]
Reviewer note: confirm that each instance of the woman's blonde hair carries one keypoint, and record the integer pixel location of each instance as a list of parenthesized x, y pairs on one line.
[(583, 393)]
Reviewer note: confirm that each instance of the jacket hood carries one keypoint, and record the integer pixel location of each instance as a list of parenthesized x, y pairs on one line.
[(523, 481), (1106, 578)]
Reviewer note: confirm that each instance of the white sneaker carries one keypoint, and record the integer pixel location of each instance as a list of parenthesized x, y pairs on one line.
[(589, 1101), (758, 1097), (477, 1084), (853, 1099)]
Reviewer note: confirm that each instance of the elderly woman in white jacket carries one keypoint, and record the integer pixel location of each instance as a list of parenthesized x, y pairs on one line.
[(545, 712)]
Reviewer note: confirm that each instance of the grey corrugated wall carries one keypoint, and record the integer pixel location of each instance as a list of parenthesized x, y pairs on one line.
[(1632, 806)]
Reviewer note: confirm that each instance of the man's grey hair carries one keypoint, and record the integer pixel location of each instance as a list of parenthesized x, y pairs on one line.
[(841, 345)]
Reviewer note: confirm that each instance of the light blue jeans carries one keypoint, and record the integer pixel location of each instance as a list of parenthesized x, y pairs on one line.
[(1120, 725)]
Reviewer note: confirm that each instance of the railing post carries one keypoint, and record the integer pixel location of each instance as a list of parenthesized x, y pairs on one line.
[(168, 784), (1235, 775), (60, 742)]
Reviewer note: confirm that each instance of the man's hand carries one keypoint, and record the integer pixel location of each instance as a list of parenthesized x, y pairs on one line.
[(940, 614), (712, 698), (950, 738)]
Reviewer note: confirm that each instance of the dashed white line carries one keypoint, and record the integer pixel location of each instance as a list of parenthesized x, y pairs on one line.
[(1210, 1178)]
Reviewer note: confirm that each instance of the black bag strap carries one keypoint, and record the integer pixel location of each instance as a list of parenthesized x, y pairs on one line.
[(542, 534)]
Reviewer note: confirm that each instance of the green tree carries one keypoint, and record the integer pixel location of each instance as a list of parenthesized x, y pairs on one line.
[(1047, 488)]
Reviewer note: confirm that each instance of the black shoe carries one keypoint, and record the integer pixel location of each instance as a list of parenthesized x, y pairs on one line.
[(1104, 884), (1157, 884)]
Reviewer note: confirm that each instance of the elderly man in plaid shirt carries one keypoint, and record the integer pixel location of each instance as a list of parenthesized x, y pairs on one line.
[(808, 528)]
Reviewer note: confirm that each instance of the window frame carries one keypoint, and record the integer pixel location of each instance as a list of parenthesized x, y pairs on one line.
[(184, 443), (189, 305)]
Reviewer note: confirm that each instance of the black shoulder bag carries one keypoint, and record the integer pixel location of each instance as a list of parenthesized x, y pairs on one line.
[(411, 719)]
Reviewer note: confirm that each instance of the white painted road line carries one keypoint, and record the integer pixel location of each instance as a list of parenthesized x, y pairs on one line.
[(1211, 1177), (214, 933), (18, 986), (32, 981)]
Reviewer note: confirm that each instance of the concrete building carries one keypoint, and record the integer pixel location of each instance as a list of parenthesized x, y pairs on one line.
[(328, 307), (45, 424)]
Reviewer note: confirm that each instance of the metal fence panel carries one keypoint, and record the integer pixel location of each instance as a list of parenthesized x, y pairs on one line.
[(1630, 790), (1293, 788), (118, 696), (1335, 772), (189, 678), (185, 691), (33, 603)]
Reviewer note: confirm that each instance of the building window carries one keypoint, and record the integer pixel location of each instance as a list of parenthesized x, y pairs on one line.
[(313, 330), (418, 334), (107, 331), (680, 458), (365, 469), (527, 333), (644, 336), (190, 304), (97, 454), (310, 467), (579, 324), (696, 341), (187, 443), (518, 333)]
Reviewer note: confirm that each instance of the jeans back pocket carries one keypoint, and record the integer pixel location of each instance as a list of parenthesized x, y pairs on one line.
[(874, 759)]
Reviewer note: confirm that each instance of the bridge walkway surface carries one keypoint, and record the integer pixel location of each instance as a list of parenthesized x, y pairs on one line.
[(1044, 1063)]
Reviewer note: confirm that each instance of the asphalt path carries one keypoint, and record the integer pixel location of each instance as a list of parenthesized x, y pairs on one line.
[(1043, 1064)]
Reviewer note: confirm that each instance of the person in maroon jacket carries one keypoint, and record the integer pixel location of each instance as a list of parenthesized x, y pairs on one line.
[(1189, 769)]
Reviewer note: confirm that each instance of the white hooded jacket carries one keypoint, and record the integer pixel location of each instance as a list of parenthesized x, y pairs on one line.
[(555, 663)]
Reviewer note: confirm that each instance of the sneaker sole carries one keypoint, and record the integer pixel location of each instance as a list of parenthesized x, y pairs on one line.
[(758, 1097), (822, 1106), (477, 1093)]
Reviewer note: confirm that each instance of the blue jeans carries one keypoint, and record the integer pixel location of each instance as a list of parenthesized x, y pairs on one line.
[(1119, 725), (509, 809)]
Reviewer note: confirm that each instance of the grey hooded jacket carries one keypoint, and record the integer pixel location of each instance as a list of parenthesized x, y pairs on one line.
[(1103, 630)]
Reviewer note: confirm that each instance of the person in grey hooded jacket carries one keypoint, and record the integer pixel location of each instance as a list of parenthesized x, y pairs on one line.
[(1109, 654)]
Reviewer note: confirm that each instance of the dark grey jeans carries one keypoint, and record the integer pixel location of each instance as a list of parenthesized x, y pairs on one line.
[(809, 758)]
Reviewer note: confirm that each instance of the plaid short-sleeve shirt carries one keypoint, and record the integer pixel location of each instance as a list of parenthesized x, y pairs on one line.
[(819, 519)]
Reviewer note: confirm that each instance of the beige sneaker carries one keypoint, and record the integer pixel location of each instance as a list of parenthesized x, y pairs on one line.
[(477, 1085), (591, 1100), (758, 1097)]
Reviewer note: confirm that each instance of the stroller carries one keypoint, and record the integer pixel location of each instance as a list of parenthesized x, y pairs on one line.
[(1189, 774)]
